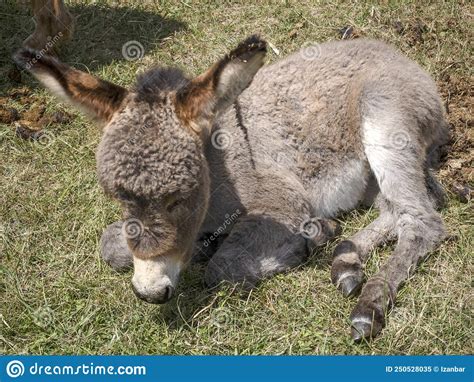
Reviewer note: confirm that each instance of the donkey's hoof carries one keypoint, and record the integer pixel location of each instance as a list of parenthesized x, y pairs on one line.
[(350, 285), (363, 327), (346, 270), (361, 330)]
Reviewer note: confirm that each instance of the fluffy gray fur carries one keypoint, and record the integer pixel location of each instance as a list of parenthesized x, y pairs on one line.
[(315, 134)]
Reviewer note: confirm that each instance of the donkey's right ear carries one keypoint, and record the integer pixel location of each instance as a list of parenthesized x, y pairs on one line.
[(216, 89), (98, 98)]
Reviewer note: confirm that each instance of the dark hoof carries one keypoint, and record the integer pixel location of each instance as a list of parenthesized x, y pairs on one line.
[(364, 328), (346, 269), (369, 315), (351, 285), (361, 330)]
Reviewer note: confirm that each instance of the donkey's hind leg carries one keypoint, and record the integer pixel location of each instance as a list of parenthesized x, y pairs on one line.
[(350, 255), (400, 175), (436, 192)]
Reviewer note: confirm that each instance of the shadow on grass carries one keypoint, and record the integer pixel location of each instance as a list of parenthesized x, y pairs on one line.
[(196, 304), (99, 35)]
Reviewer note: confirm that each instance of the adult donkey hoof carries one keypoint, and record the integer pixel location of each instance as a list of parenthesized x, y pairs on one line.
[(114, 248)]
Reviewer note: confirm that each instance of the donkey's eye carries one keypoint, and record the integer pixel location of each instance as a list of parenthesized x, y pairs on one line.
[(123, 196), (130, 199), (171, 206)]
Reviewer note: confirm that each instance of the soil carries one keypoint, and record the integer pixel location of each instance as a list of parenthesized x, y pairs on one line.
[(27, 114)]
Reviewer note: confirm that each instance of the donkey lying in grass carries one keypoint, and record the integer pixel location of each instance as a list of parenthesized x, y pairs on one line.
[(279, 148)]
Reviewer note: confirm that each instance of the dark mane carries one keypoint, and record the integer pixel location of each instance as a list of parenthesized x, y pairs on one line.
[(154, 84)]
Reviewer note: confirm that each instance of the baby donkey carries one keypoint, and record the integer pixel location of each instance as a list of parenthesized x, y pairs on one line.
[(266, 156)]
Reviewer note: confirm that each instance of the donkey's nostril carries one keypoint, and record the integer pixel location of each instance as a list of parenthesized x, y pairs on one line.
[(169, 290)]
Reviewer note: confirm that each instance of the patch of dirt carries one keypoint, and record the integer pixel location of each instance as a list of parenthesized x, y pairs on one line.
[(457, 172), (26, 133), (25, 112), (414, 32), (8, 115)]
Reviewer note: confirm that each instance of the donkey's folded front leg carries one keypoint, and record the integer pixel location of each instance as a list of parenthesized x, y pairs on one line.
[(257, 247)]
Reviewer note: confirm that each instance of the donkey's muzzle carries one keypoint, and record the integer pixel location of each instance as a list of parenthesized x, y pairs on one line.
[(158, 296)]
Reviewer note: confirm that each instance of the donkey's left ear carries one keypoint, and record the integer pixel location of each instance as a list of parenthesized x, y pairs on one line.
[(215, 90), (98, 98)]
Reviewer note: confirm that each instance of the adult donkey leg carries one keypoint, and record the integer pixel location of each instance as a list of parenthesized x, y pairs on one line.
[(54, 25), (350, 255), (400, 174)]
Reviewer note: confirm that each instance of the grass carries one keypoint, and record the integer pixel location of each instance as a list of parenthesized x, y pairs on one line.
[(57, 296)]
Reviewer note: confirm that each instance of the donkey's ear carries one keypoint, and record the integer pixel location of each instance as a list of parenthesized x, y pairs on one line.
[(98, 98), (215, 90)]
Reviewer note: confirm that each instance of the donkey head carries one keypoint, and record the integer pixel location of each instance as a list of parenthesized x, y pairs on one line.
[(151, 155)]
